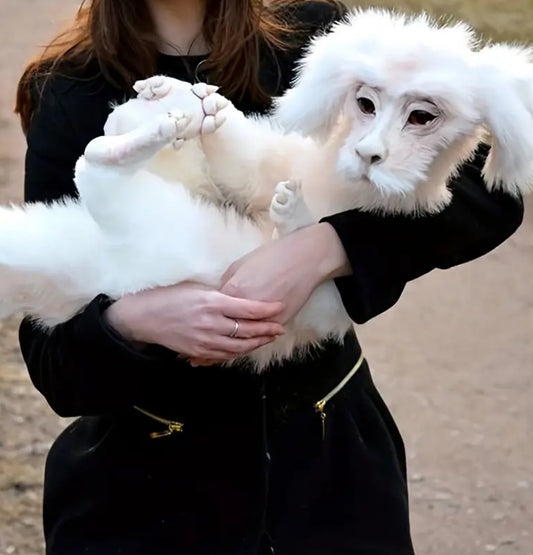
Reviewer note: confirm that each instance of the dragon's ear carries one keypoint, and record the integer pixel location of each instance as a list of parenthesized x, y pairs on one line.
[(330, 68), (506, 89), (312, 106)]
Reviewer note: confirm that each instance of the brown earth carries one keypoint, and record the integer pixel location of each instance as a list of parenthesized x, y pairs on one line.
[(453, 358)]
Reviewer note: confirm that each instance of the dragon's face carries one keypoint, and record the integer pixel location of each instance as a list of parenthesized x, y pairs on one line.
[(395, 137)]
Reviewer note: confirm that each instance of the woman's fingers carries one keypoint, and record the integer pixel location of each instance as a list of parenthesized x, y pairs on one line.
[(228, 348), (232, 347), (250, 336), (247, 329), (232, 307), (204, 362)]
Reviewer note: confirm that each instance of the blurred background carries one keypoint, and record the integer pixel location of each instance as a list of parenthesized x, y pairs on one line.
[(453, 359)]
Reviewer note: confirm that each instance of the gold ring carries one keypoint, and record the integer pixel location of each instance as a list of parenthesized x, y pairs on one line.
[(235, 329)]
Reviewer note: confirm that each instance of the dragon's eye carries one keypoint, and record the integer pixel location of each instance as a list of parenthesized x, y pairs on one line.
[(366, 105), (420, 117)]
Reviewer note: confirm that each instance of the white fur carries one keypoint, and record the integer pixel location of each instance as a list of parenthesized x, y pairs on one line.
[(173, 193)]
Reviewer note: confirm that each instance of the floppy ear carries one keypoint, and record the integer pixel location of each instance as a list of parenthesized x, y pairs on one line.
[(325, 75), (506, 88), (312, 105)]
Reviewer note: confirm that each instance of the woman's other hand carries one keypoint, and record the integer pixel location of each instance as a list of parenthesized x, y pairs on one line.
[(288, 269), (196, 321)]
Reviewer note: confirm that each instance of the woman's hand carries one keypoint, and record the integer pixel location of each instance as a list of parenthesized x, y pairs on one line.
[(288, 269), (195, 321)]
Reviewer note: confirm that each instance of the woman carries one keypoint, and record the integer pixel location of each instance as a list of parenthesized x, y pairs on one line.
[(173, 459)]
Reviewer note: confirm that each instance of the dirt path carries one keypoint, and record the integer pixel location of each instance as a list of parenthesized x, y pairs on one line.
[(453, 359)]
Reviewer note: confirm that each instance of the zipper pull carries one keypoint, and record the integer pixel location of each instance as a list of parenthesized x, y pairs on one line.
[(319, 407), (171, 428)]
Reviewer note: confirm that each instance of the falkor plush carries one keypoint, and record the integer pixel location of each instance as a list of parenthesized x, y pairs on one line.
[(383, 110)]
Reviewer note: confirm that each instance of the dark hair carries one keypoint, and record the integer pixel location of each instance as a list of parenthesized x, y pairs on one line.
[(104, 30)]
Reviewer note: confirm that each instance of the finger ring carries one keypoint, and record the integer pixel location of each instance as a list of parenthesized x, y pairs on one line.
[(235, 329)]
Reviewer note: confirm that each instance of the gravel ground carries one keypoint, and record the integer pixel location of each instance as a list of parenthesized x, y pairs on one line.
[(453, 359)]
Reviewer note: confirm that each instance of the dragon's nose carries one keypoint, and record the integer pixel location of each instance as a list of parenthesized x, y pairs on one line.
[(369, 157)]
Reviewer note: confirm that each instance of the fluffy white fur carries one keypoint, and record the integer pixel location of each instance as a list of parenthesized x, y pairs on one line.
[(382, 112)]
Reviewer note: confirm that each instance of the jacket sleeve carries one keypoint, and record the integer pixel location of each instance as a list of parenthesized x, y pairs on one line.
[(387, 252), (82, 367)]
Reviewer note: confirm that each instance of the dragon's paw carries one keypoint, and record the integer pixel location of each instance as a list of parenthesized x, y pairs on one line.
[(212, 104), (200, 101), (141, 144), (172, 126), (288, 210), (159, 86)]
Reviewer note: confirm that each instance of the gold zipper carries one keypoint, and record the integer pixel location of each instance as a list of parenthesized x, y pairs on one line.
[(172, 425), (321, 405), (177, 427)]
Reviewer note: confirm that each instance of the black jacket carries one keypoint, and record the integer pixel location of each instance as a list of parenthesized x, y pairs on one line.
[(251, 470)]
